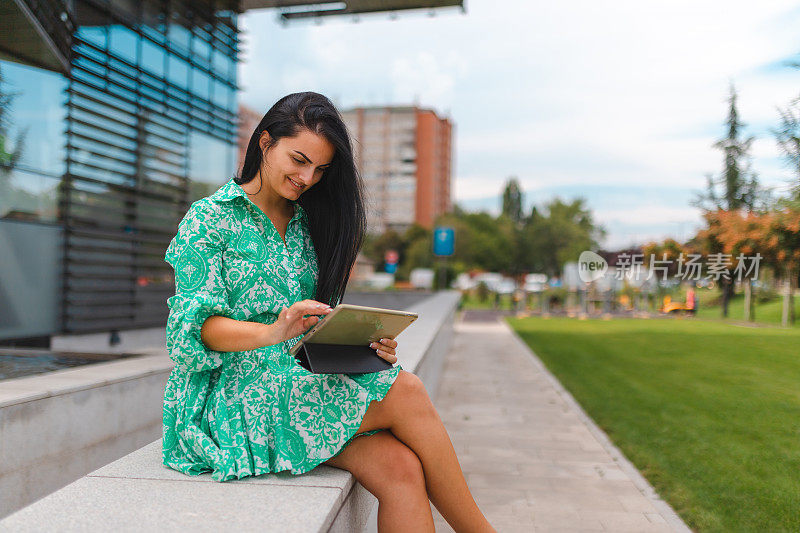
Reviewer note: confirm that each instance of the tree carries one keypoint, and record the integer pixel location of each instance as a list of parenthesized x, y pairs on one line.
[(745, 233), (786, 241), (12, 198), (8, 159), (482, 241), (543, 242), (667, 250), (512, 211), (512, 201), (774, 235), (738, 183), (558, 235), (788, 137)]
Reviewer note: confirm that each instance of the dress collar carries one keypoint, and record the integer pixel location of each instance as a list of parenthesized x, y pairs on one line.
[(232, 190)]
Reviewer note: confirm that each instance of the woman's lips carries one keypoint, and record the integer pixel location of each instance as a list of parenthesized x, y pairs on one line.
[(295, 184)]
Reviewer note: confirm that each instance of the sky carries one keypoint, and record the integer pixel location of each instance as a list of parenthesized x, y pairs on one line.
[(616, 102)]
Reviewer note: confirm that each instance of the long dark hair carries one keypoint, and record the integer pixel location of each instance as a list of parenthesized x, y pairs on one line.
[(335, 205)]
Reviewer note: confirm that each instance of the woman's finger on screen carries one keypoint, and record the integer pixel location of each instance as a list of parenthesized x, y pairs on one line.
[(311, 307)]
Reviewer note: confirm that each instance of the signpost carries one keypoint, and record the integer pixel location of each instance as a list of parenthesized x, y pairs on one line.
[(444, 242), (444, 245), (390, 259)]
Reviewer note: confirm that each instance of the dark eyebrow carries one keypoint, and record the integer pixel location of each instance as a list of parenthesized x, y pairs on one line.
[(307, 159)]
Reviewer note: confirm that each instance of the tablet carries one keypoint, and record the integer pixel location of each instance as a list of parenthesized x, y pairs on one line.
[(356, 324)]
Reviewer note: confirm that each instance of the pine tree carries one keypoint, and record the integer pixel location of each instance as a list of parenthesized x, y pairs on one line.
[(512, 201), (788, 137), (738, 183)]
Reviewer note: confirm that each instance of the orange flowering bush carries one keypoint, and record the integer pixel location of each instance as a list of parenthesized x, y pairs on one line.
[(774, 234)]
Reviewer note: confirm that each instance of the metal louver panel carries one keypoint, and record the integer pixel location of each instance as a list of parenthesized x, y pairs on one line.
[(126, 184)]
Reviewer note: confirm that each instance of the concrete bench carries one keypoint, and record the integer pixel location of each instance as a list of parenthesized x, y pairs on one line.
[(138, 492), (58, 426)]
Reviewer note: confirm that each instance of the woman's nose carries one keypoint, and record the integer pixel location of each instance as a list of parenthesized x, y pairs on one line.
[(307, 175)]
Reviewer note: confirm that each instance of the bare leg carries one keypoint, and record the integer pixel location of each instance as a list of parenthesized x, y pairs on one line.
[(408, 412), (392, 472)]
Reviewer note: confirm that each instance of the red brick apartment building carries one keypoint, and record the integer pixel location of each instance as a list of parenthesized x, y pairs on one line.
[(404, 154)]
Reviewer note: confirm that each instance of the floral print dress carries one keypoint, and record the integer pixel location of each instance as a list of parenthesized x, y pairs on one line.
[(238, 414)]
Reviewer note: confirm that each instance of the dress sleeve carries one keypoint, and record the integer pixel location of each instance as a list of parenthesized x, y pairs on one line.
[(195, 254)]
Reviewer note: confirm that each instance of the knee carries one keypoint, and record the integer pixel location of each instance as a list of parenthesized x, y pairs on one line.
[(401, 470), (410, 395), (410, 386)]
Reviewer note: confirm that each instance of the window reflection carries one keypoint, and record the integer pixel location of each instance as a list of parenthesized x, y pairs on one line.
[(201, 46), (153, 57), (220, 62), (90, 65), (220, 96), (210, 164), (28, 196), (124, 43), (35, 117), (105, 136), (84, 149), (177, 33), (201, 84), (124, 68), (178, 72), (97, 35)]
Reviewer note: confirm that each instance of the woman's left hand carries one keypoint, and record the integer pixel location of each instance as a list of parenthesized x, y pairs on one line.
[(386, 349)]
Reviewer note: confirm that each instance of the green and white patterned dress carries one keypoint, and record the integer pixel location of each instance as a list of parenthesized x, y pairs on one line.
[(238, 414)]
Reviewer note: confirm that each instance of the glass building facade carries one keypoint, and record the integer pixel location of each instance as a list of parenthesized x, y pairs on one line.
[(110, 144), (114, 116)]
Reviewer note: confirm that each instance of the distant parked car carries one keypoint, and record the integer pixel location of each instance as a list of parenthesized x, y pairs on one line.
[(421, 278), (464, 282), (505, 286), (380, 280), (535, 282), (491, 279)]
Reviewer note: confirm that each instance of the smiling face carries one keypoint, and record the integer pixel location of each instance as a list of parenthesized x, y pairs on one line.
[(294, 164)]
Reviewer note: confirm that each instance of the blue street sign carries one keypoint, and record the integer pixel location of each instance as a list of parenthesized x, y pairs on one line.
[(444, 241)]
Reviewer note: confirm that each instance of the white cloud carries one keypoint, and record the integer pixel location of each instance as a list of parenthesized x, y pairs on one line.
[(648, 214), (424, 77), (476, 186)]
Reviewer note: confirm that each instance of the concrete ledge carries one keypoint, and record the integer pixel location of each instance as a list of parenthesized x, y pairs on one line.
[(58, 426), (137, 492)]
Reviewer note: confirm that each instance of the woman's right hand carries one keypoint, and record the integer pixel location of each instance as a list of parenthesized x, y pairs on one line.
[(293, 322)]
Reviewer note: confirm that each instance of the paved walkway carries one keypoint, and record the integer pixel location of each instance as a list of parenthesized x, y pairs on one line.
[(533, 459)]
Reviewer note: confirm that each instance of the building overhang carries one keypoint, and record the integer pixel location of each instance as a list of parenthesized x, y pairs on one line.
[(299, 9), (24, 39)]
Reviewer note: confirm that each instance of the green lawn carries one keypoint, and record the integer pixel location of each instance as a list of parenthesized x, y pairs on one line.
[(709, 412), (766, 313)]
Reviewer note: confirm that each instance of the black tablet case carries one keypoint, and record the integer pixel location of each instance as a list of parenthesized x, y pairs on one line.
[(322, 358)]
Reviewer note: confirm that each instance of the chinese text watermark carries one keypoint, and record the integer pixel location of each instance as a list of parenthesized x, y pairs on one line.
[(689, 267)]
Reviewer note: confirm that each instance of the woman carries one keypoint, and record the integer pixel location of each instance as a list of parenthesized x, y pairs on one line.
[(255, 263)]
